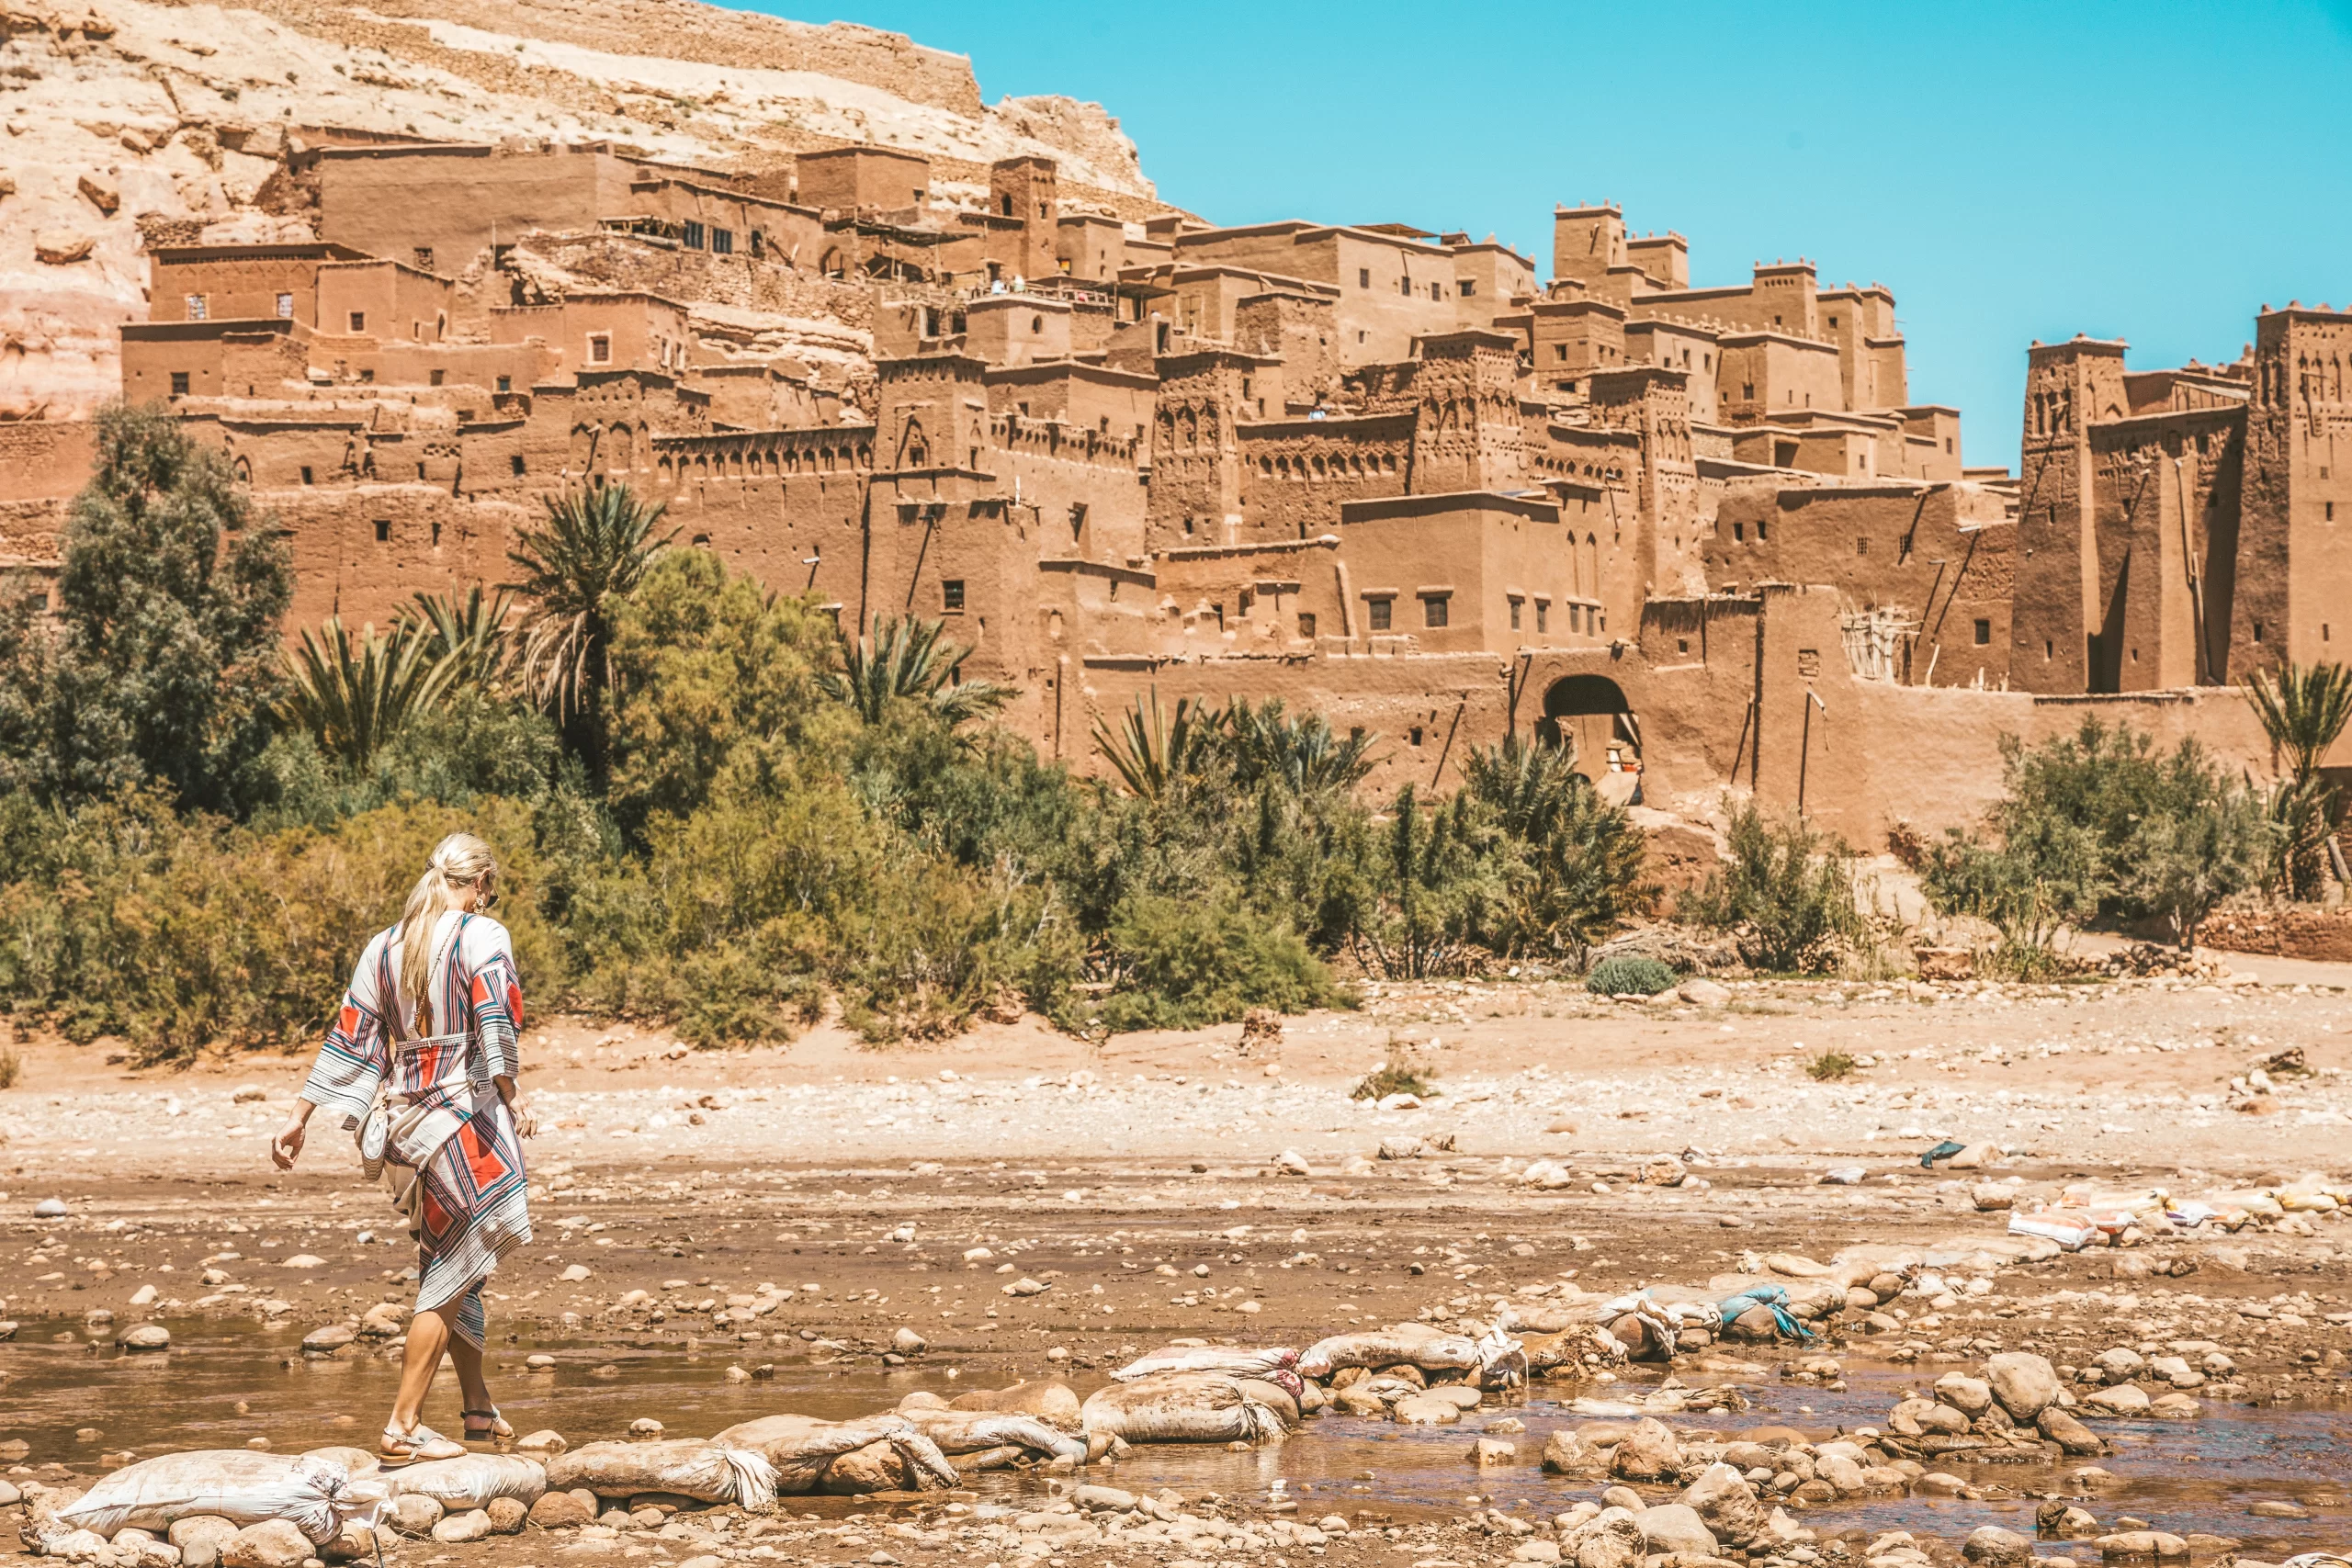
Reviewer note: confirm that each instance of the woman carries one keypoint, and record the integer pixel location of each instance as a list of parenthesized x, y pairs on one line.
[(424, 1070)]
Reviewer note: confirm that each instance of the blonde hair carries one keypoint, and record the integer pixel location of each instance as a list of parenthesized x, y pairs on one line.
[(459, 861)]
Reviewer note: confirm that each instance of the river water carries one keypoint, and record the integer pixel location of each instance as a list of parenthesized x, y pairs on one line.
[(72, 1401)]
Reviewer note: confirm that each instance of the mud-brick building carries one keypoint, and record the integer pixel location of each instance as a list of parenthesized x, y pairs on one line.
[(1700, 533)]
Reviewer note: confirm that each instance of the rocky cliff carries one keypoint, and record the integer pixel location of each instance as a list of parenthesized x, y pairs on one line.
[(126, 116)]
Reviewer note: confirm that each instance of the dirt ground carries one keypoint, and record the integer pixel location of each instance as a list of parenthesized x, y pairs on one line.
[(1143, 1186)]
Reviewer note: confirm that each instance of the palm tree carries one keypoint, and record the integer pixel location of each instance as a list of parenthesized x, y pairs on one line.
[(353, 700), (576, 567), (1153, 753), (908, 658), (471, 631), (2304, 709), (1303, 754)]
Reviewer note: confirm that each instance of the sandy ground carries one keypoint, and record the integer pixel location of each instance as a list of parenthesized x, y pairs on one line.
[(1141, 1184)]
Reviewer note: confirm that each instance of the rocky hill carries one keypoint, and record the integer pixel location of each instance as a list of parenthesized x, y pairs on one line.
[(125, 116)]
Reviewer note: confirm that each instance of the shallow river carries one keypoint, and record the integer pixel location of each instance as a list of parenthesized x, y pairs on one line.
[(2181, 1476)]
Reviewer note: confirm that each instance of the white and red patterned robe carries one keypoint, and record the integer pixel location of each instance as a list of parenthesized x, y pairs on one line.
[(454, 1164)]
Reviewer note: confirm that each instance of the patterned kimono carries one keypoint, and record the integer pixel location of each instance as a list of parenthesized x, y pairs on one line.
[(451, 1159)]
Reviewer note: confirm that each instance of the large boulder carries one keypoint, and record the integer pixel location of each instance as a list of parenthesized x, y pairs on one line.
[(2025, 1383), (1564, 1454), (2070, 1434), (1611, 1539), (273, 1543), (1992, 1547), (2143, 1546), (1675, 1528), (1970, 1396), (2124, 1399), (1649, 1453), (1842, 1471), (1723, 1502)]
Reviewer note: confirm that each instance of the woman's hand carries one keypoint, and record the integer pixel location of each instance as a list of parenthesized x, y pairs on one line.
[(284, 1148), (527, 1124)]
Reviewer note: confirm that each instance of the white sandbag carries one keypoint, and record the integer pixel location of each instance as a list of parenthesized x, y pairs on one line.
[(803, 1448), (1229, 1359), (315, 1495), (961, 1432), (703, 1469), (472, 1482), (1388, 1347), (1183, 1407)]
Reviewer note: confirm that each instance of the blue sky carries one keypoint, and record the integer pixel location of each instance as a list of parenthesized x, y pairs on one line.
[(2151, 171)]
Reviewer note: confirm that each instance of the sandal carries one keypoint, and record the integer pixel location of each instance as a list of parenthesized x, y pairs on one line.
[(494, 1429), (419, 1442)]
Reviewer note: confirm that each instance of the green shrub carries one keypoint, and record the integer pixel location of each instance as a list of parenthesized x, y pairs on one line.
[(1829, 1066), (1630, 978), (1403, 1072), (1183, 965), (1786, 896)]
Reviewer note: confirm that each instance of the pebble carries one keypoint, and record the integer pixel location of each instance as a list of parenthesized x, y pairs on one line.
[(145, 1337), (49, 1209)]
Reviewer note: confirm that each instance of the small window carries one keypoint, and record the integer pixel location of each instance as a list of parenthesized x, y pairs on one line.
[(1306, 623), (515, 463), (506, 383), (692, 238), (951, 593), (1983, 633), (599, 348), (285, 306), (1514, 615), (2049, 650), (1037, 326), (198, 307), (1833, 320), (179, 383), (1861, 547), (1379, 612), (1542, 615), (1469, 287), (437, 378), (424, 256), (1414, 735), (367, 377), (1433, 611), (359, 321), (1559, 350), (436, 533), (1763, 530), (2330, 510), (1748, 390), (1740, 533), (722, 242), (1364, 277), (2258, 631), (305, 474), (383, 530)]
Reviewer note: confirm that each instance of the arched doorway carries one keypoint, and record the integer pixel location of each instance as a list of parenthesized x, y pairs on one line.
[(1589, 713)]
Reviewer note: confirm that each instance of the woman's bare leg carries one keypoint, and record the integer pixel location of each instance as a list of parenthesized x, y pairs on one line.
[(429, 1336), (472, 1384)]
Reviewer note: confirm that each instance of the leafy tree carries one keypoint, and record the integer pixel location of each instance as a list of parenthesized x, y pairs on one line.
[(909, 659), (577, 568), (160, 662), (710, 670), (2099, 826), (2304, 708), (1787, 893)]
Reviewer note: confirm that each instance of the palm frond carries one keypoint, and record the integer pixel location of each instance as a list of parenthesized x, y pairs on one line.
[(908, 658), (1153, 751), (471, 631), (353, 697), (592, 550), (1305, 755), (2304, 708)]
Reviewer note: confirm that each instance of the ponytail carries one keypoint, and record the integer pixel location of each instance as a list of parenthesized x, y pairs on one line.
[(457, 862)]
